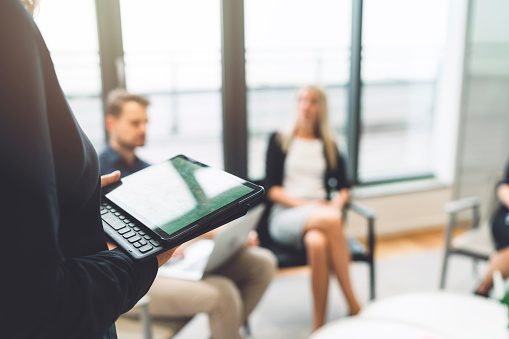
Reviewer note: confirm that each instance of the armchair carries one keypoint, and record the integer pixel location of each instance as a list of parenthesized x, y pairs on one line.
[(477, 242)]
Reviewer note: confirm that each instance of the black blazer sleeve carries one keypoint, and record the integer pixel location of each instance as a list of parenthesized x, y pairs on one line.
[(341, 173), (58, 278), (505, 178), (274, 163)]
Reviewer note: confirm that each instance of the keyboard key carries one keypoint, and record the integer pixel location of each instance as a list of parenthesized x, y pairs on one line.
[(117, 213), (155, 242), (136, 228), (113, 221), (141, 233), (137, 244), (131, 224), (135, 239), (104, 211), (123, 230), (108, 207), (145, 248), (112, 210), (128, 234), (127, 221), (143, 242), (148, 237), (121, 217)]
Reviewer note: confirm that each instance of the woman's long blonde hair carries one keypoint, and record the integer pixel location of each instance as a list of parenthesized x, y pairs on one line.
[(323, 130)]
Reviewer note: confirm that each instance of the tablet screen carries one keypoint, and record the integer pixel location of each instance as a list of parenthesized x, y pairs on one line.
[(176, 193)]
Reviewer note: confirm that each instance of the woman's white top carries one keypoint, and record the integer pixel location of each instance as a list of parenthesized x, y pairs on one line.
[(304, 169)]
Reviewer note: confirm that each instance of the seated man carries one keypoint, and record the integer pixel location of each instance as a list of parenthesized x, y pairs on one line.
[(126, 123), (228, 295)]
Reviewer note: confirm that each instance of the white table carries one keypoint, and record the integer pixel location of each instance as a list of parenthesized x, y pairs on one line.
[(362, 328), (443, 314)]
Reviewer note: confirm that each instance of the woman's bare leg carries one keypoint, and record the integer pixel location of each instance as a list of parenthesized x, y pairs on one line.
[(329, 220), (499, 261), (316, 248)]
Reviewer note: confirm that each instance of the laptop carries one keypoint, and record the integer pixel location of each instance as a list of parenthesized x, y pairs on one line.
[(206, 255), (167, 204)]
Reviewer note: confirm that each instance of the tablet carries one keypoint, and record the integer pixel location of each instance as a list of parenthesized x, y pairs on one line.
[(171, 202)]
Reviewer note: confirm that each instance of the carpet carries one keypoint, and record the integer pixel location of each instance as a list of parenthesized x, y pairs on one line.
[(285, 309)]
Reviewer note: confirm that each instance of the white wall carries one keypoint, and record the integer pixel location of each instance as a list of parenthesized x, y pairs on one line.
[(402, 212)]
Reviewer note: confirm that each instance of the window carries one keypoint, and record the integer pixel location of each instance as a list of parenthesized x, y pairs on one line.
[(172, 55), (402, 50), (75, 54), (291, 43)]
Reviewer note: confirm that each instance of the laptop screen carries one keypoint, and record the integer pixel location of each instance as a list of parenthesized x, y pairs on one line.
[(176, 193)]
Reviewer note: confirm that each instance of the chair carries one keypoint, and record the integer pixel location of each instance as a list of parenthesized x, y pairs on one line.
[(130, 324), (477, 242), (290, 257)]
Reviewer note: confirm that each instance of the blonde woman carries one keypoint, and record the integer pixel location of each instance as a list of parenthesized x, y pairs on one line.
[(304, 169)]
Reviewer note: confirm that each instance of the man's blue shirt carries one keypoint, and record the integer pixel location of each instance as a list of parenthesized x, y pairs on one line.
[(110, 160)]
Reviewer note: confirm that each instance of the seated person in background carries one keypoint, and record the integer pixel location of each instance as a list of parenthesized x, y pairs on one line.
[(500, 230), (228, 295), (303, 163), (126, 122)]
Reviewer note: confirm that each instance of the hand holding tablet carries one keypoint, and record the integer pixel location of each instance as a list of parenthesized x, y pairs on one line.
[(172, 202)]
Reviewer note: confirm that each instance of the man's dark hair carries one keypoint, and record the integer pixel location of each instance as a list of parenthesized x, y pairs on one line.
[(118, 97)]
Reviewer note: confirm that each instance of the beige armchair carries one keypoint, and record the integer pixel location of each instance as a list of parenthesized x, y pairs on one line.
[(477, 242)]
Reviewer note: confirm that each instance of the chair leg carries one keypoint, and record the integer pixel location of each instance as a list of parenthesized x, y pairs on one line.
[(247, 329), (145, 322), (444, 269), (372, 279), (371, 241), (475, 267), (448, 237)]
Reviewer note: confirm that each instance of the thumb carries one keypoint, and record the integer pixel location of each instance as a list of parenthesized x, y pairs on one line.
[(110, 178)]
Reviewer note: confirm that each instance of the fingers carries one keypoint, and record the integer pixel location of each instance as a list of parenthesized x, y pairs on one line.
[(320, 202), (252, 239), (179, 252), (165, 256), (110, 178), (111, 246)]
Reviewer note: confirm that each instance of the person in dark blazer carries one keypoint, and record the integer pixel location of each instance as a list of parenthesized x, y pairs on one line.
[(59, 280)]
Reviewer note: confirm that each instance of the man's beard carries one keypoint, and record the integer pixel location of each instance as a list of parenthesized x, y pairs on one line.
[(130, 146)]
